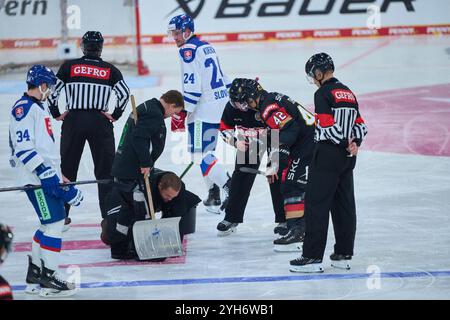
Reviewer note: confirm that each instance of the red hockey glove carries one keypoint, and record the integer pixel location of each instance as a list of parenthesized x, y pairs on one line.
[(177, 123)]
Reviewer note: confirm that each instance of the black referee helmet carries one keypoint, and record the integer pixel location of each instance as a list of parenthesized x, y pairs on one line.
[(92, 43), (319, 61)]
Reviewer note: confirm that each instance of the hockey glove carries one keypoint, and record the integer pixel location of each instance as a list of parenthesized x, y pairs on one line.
[(177, 123), (49, 180), (71, 195), (278, 159)]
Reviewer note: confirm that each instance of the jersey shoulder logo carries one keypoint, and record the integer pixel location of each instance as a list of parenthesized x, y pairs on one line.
[(19, 113), (84, 70), (21, 109), (187, 54)]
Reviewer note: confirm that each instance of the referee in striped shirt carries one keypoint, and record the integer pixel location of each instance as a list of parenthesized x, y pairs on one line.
[(339, 131), (88, 83)]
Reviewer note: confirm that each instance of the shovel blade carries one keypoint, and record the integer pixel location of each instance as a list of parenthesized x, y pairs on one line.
[(158, 238)]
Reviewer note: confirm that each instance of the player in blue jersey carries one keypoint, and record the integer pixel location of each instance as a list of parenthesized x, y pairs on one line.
[(205, 91), (35, 158)]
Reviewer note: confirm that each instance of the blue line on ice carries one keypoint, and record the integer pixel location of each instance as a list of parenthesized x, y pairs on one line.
[(305, 277)]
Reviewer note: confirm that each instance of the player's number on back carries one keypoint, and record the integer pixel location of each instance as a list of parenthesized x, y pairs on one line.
[(188, 77), (22, 135), (215, 82)]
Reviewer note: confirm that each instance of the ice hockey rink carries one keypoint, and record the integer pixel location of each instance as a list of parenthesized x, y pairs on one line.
[(402, 185)]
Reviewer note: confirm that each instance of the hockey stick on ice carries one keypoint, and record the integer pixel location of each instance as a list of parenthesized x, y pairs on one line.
[(186, 170), (251, 170), (37, 186)]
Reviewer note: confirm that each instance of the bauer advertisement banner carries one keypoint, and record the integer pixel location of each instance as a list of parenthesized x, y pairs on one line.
[(213, 16), (37, 23)]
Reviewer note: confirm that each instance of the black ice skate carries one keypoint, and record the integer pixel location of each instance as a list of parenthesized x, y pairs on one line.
[(52, 285), (212, 203), (33, 278), (281, 229), (340, 261), (306, 265), (292, 242), (123, 251), (226, 228), (226, 189)]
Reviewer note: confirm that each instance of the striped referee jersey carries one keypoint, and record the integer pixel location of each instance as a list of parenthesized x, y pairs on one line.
[(88, 82), (337, 114)]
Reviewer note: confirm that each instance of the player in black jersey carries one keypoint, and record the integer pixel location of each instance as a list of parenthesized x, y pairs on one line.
[(89, 82), (290, 150), (245, 131), (339, 131), (6, 238)]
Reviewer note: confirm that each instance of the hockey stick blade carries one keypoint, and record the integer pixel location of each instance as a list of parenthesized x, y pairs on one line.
[(251, 170), (37, 186)]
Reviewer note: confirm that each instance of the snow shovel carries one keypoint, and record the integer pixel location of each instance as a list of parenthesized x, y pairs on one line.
[(155, 238)]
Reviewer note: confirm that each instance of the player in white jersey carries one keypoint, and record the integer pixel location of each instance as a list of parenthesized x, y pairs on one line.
[(35, 158), (205, 91)]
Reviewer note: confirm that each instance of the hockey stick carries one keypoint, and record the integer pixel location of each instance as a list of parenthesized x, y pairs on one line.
[(38, 186), (186, 170)]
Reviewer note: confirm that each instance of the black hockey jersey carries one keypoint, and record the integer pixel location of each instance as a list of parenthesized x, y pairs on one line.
[(5, 290), (294, 123), (88, 82)]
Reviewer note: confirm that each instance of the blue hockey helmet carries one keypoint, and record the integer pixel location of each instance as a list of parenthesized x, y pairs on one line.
[(6, 240), (181, 22), (39, 74)]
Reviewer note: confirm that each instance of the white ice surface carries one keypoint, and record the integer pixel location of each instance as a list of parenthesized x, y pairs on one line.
[(403, 200)]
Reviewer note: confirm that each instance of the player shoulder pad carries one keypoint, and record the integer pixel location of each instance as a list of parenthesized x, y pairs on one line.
[(197, 42), (187, 52), (22, 107)]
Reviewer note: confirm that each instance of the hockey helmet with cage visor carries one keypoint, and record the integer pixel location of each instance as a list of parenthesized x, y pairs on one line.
[(319, 61), (92, 43), (242, 90), (6, 242), (178, 25), (40, 74)]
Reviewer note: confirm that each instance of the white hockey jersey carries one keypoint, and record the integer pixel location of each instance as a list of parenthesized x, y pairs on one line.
[(31, 140), (205, 87)]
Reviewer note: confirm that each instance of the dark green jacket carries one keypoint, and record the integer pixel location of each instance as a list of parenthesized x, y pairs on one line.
[(140, 145)]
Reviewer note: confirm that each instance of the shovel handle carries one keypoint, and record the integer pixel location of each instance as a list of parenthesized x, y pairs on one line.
[(133, 108), (149, 196)]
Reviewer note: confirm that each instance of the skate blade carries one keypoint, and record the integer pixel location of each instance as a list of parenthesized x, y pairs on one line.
[(52, 293), (309, 268), (226, 233), (33, 289), (66, 228), (213, 209), (345, 265), (292, 247)]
